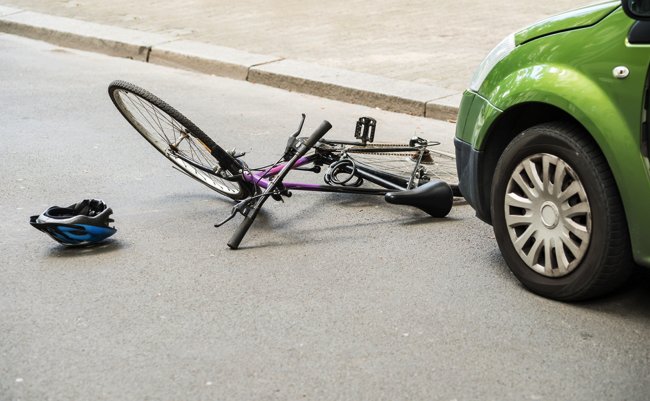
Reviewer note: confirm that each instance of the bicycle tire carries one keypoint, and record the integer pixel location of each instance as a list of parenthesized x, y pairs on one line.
[(166, 129), (439, 165)]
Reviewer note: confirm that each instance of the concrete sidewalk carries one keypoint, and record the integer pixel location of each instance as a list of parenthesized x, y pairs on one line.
[(405, 56)]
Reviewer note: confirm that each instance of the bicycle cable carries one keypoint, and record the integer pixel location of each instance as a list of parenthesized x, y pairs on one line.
[(265, 172), (343, 166)]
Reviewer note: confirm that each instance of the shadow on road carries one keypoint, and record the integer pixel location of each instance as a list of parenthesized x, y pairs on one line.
[(633, 299), (108, 246)]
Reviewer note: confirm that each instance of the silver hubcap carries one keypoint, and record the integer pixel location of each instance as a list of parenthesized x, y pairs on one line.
[(548, 215)]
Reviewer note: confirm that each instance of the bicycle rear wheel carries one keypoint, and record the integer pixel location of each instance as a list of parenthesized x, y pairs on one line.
[(437, 164), (179, 140)]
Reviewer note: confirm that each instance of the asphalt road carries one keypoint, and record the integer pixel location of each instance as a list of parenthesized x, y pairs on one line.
[(331, 296)]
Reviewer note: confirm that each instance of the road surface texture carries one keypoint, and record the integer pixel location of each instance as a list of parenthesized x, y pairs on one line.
[(330, 298)]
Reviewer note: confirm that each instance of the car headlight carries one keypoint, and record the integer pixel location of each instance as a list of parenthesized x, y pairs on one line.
[(497, 54)]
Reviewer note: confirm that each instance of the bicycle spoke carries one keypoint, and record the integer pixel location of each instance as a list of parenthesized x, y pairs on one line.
[(437, 165), (170, 134)]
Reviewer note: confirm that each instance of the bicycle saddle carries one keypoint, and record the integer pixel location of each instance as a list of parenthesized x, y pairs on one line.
[(435, 198)]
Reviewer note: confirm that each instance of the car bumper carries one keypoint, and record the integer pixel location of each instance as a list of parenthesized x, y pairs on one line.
[(474, 116), (468, 161)]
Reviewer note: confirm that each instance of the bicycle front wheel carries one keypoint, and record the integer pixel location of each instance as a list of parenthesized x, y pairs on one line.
[(179, 140)]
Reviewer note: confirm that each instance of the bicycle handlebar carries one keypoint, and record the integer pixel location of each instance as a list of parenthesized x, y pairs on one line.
[(238, 235), (309, 143), (315, 136)]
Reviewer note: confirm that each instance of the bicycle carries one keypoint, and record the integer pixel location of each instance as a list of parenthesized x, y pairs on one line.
[(407, 174)]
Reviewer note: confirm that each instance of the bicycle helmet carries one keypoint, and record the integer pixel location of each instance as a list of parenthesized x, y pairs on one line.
[(83, 223)]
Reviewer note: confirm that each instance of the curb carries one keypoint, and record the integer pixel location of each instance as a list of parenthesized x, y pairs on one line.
[(332, 83)]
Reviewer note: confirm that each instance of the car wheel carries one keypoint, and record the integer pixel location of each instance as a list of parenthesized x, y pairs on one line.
[(557, 215)]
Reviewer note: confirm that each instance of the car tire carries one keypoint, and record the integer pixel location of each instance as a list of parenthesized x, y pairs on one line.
[(557, 215)]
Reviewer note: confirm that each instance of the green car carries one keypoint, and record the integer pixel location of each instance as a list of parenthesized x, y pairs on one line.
[(552, 149)]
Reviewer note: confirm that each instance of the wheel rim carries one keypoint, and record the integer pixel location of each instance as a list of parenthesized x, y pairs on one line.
[(173, 140), (548, 215), (436, 164)]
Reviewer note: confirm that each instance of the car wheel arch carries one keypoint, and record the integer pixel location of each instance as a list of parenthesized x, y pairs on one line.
[(506, 127)]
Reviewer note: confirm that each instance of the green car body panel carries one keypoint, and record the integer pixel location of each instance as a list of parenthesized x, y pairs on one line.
[(579, 18), (566, 64)]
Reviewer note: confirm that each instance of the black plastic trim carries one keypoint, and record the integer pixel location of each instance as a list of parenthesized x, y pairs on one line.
[(469, 165), (639, 33), (631, 14), (645, 144)]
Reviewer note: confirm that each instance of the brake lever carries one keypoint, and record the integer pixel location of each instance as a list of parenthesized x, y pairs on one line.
[(293, 143), (238, 208), (233, 212)]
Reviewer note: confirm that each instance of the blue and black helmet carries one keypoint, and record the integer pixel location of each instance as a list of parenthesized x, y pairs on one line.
[(86, 222)]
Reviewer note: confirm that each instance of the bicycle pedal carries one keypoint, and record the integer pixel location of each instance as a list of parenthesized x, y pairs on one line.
[(416, 140), (365, 129)]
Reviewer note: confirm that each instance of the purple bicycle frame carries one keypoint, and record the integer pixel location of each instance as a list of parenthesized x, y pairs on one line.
[(263, 178)]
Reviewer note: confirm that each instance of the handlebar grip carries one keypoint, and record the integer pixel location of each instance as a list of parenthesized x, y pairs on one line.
[(237, 237), (318, 134)]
